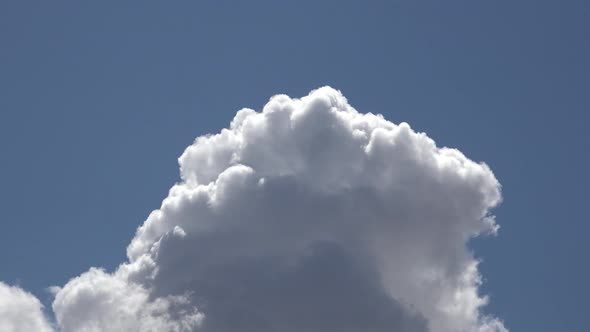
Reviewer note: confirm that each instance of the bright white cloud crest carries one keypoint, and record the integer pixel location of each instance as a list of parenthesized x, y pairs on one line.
[(306, 216)]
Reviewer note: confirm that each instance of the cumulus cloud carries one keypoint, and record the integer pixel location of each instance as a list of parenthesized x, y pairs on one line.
[(21, 311), (305, 216)]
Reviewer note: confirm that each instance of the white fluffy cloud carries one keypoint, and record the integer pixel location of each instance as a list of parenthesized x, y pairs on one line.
[(308, 216), (101, 302), (21, 311)]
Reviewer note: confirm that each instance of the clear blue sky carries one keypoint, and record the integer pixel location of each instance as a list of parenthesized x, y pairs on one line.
[(98, 99)]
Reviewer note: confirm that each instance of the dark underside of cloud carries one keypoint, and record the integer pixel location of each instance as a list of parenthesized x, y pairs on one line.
[(324, 291)]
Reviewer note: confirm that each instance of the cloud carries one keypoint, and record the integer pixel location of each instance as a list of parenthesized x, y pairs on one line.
[(21, 311), (98, 301), (307, 215)]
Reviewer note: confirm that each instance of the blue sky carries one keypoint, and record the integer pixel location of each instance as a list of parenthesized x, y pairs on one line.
[(98, 100)]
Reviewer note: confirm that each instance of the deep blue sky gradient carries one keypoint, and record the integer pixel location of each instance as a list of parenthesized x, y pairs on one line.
[(99, 98)]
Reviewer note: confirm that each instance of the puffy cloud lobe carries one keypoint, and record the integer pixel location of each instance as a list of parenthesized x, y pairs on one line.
[(307, 215), (100, 302), (21, 311)]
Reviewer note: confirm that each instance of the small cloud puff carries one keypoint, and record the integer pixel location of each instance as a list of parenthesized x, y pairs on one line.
[(21, 311)]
